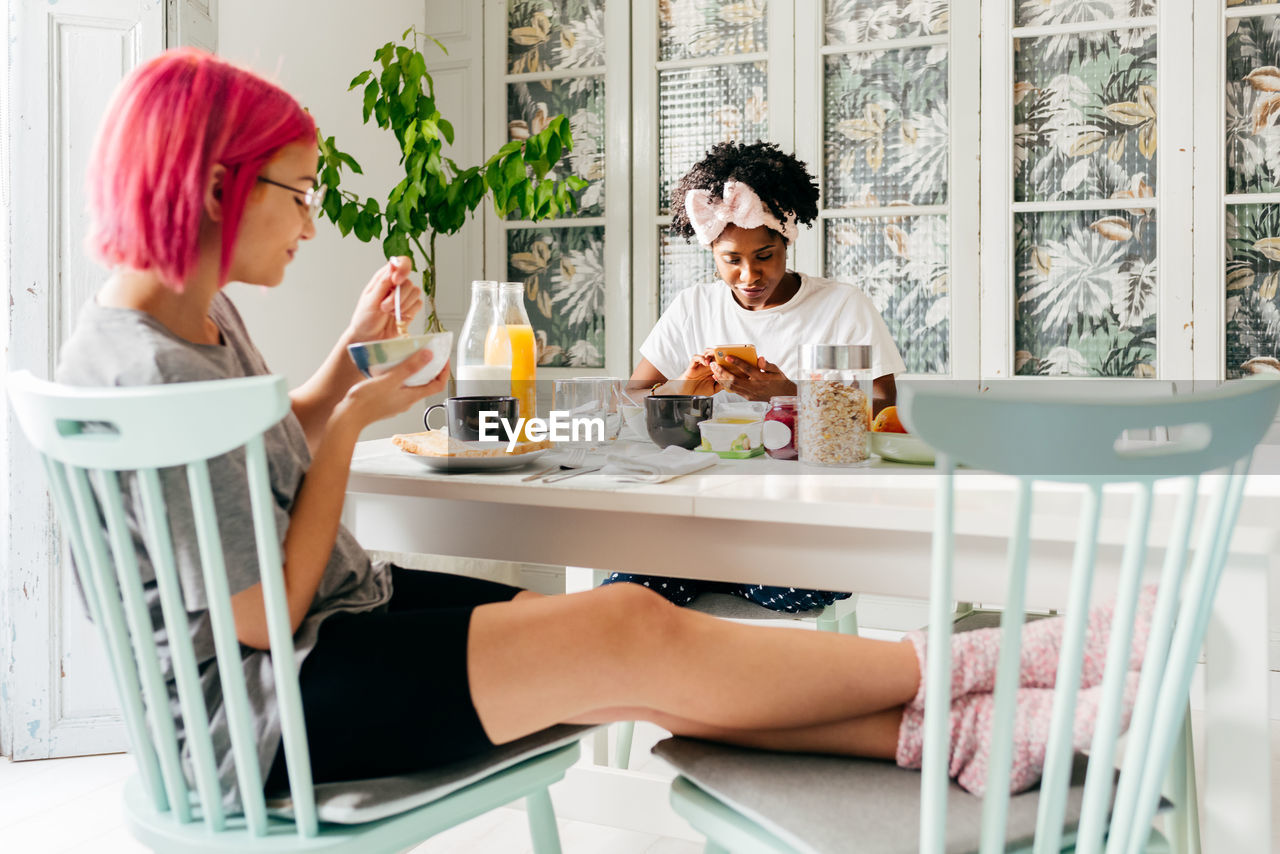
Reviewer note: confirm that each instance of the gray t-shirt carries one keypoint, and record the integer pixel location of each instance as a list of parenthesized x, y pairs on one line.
[(124, 347)]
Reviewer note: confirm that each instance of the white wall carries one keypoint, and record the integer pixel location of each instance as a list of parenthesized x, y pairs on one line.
[(313, 48)]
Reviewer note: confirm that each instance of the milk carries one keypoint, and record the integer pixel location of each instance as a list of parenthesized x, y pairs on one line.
[(484, 379)]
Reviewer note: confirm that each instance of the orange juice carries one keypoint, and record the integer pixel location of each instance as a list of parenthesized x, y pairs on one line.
[(524, 367)]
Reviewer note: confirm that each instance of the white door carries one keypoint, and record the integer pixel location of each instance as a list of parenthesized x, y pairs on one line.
[(56, 698)]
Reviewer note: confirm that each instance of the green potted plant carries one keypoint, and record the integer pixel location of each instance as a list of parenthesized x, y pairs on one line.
[(436, 194)]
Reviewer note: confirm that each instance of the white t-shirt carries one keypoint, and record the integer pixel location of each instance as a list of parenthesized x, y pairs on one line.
[(823, 311)]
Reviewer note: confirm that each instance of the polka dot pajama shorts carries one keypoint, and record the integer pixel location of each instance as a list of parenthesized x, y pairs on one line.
[(682, 591)]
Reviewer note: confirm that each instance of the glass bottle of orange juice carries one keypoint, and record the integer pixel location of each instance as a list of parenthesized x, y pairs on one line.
[(520, 347)]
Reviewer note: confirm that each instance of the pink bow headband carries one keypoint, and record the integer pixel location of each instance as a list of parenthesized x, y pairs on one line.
[(739, 205)]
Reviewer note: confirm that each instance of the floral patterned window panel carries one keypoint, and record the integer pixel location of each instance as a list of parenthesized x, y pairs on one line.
[(1253, 277), (1249, 2), (902, 264), (552, 35), (1085, 115), (1252, 310), (698, 107), (1039, 13), (857, 21), (1253, 104), (689, 29), (563, 274), (1085, 293), (886, 136), (681, 263), (531, 105)]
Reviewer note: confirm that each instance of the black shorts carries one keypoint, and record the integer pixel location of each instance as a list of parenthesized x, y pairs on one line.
[(387, 693)]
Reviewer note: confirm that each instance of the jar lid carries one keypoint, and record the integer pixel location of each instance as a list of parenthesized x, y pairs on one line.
[(840, 357), (784, 400)]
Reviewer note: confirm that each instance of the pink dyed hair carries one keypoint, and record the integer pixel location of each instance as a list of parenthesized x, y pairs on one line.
[(170, 122)]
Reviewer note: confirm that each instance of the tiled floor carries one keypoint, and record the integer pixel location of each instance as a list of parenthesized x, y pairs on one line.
[(73, 805)]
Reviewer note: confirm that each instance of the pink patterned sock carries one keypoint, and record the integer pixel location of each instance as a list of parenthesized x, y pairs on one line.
[(975, 655), (971, 733)]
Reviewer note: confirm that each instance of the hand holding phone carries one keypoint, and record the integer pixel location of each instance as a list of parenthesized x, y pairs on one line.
[(745, 352)]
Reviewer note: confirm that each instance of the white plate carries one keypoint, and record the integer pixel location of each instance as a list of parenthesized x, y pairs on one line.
[(461, 464), (902, 448)]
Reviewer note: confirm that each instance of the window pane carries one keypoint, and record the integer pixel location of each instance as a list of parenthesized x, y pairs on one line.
[(886, 135), (1253, 275), (1085, 293), (856, 21), (563, 274), (701, 106), (680, 265), (1038, 13), (693, 28), (531, 105), (1085, 116), (544, 35), (1253, 105), (902, 264), (1249, 2)]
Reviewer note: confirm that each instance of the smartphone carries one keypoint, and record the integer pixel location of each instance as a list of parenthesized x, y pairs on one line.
[(745, 352)]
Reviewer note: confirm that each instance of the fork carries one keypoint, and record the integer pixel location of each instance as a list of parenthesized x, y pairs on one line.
[(575, 459)]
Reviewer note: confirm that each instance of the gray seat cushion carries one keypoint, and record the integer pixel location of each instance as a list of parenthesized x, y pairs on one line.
[(360, 801), (729, 607), (836, 805)]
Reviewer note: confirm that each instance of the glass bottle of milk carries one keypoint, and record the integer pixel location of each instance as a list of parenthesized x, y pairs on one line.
[(482, 369)]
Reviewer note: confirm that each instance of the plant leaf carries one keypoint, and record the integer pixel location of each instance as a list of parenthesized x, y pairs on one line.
[(1269, 247), (1129, 113), (359, 78)]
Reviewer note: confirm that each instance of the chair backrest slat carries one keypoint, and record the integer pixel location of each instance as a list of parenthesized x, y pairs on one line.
[(276, 604), (1076, 441), (181, 651), (1188, 635), (123, 666), (226, 644), (995, 807), (1153, 667), (1058, 751), (156, 695), (1108, 724)]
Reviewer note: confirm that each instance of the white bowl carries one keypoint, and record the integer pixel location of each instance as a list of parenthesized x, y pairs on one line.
[(901, 448), (378, 357), (634, 418)]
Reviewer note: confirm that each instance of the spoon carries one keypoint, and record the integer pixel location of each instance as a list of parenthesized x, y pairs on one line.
[(401, 326)]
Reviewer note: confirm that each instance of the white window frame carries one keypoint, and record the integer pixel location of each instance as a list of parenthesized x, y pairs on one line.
[(780, 58), (1174, 317), (1210, 59), (961, 208), (618, 176)]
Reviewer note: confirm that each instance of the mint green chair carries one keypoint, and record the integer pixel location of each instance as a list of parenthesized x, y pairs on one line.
[(88, 438), (752, 801)]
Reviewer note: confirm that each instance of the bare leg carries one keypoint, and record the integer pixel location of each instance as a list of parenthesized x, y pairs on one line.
[(533, 662)]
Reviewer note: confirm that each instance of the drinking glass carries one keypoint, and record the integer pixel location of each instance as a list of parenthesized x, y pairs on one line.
[(611, 396), (585, 399)]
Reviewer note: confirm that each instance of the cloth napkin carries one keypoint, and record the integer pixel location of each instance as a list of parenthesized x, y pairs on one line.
[(656, 466)]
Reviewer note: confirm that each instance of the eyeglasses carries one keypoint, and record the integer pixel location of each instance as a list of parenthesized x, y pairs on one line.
[(313, 197)]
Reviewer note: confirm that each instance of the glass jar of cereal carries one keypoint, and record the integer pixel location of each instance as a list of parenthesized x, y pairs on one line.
[(835, 404)]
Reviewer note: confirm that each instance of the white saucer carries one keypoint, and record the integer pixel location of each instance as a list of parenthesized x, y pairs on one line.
[(464, 464)]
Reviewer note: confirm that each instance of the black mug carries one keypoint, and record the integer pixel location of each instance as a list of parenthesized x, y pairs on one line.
[(462, 417), (672, 419)]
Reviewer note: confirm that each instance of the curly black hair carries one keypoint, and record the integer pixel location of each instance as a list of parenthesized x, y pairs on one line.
[(781, 181)]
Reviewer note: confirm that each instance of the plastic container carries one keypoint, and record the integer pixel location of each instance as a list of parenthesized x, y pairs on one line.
[(732, 438), (779, 434), (835, 404)]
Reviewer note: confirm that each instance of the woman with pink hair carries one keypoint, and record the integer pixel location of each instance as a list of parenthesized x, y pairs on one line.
[(204, 173)]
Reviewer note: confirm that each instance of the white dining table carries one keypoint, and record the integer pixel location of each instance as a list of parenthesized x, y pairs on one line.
[(866, 530)]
